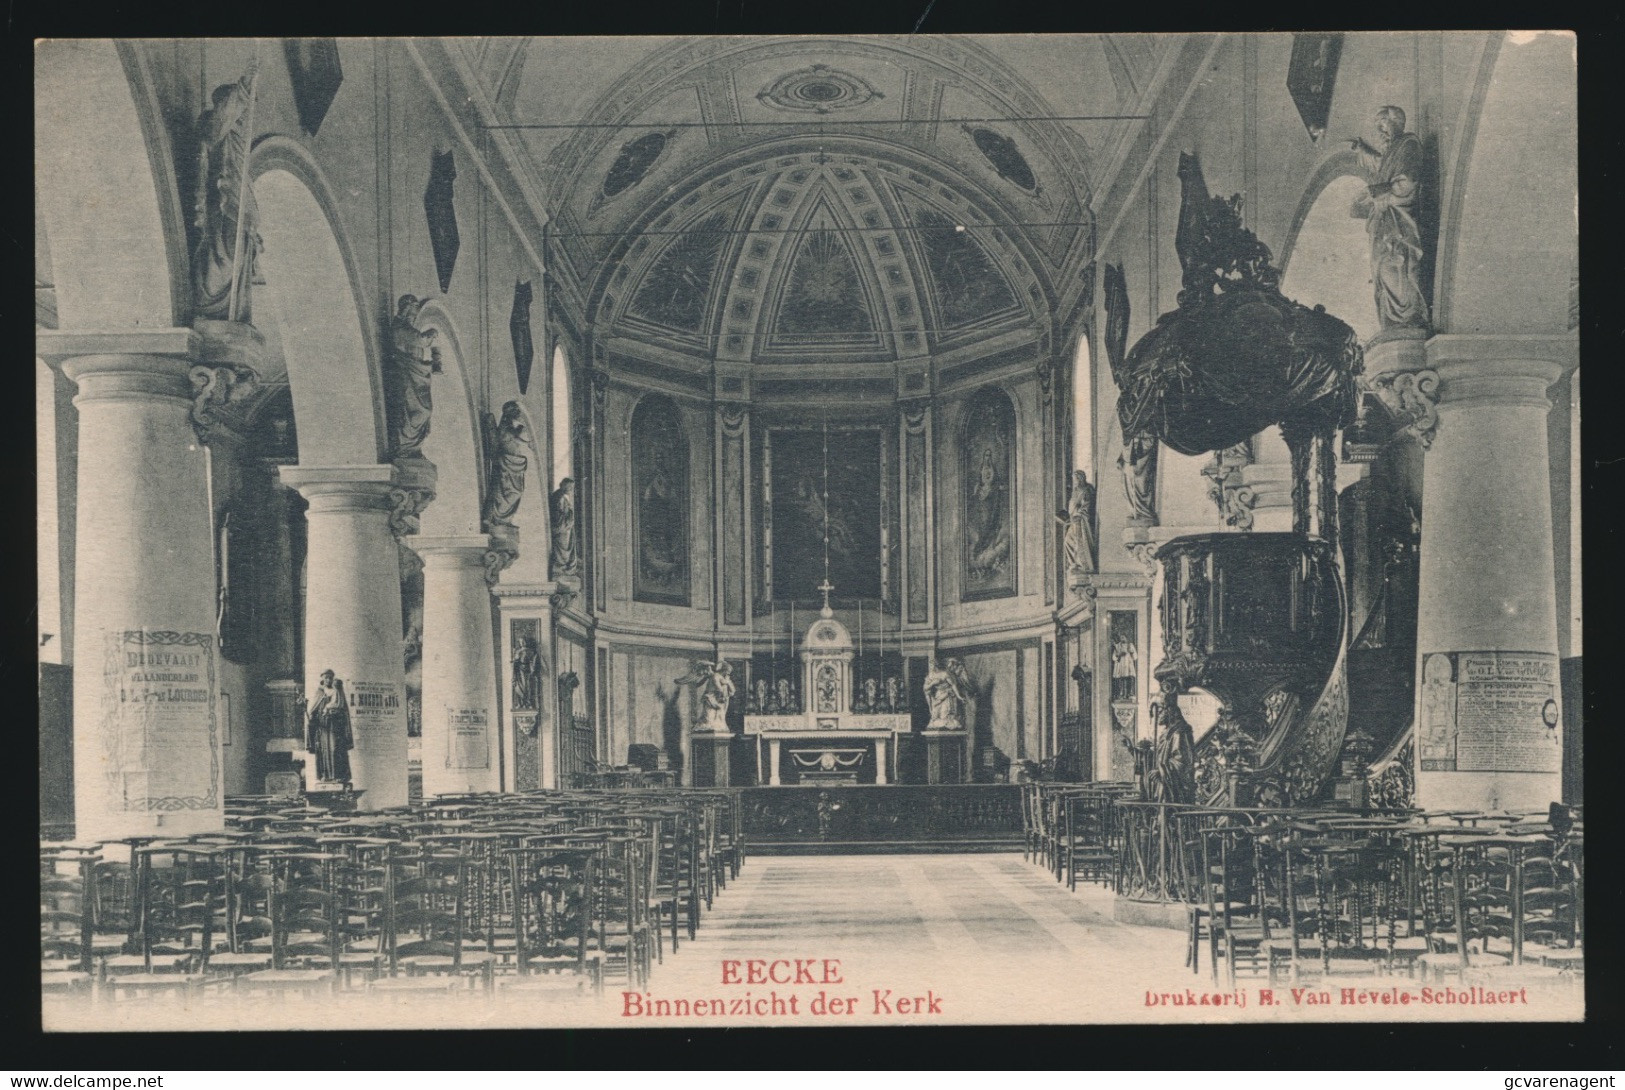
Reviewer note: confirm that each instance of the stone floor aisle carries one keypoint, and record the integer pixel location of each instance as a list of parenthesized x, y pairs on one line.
[(871, 939)]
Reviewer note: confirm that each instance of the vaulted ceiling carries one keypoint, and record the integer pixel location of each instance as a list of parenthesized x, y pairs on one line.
[(789, 199)]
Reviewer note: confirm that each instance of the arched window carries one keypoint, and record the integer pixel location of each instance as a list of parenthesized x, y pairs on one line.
[(1083, 416), (562, 418)]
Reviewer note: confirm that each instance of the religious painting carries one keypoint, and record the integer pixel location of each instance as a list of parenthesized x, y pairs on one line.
[(675, 290), (660, 564), (824, 486), (988, 510), (969, 287)]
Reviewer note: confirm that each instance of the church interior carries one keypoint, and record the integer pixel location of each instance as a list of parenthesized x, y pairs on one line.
[(523, 520)]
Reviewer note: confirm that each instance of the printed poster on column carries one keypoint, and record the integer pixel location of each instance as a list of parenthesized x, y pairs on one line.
[(161, 734)]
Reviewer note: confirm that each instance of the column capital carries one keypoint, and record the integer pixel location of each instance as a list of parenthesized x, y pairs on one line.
[(63, 344), (123, 365), (342, 488), (450, 551), (1500, 369)]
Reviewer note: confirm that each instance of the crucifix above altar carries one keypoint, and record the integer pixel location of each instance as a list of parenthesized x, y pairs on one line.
[(864, 741)]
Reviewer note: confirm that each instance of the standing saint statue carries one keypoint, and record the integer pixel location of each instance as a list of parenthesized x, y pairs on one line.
[(415, 361), (327, 731), (564, 558), (1393, 182), (945, 697), (1079, 520), (1139, 465), (527, 675), (508, 459), (226, 242)]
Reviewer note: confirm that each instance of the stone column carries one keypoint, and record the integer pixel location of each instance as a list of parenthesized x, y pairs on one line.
[(1489, 732), (147, 741), (353, 616), (462, 745)]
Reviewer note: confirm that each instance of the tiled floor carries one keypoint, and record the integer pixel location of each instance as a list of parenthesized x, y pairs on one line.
[(915, 939)]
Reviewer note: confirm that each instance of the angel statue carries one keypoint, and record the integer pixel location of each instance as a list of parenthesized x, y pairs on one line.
[(715, 685), (226, 242), (946, 691)]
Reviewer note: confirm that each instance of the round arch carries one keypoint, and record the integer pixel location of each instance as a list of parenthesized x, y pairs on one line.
[(113, 218), (1328, 259), (311, 299), (561, 423), (1509, 234), (454, 441)]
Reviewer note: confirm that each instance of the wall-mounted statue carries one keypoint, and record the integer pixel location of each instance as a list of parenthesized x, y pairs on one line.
[(527, 674), (946, 691), (1079, 519), (507, 459), (327, 731), (1138, 462), (1393, 188), (226, 243), (415, 361), (565, 558)]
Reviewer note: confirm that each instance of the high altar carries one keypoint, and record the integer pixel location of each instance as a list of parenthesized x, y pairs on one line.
[(827, 742)]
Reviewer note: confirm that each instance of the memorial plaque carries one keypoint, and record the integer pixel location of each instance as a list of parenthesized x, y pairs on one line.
[(159, 726)]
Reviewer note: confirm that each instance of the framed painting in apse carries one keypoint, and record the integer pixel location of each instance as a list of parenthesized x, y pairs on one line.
[(851, 505), (660, 563), (987, 498)]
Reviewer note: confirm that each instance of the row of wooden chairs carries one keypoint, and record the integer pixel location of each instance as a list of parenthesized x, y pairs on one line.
[(488, 891)]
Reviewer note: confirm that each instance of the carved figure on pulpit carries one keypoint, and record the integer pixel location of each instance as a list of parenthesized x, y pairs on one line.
[(1173, 772), (227, 243), (416, 361), (1393, 184), (894, 694), (327, 731), (945, 696)]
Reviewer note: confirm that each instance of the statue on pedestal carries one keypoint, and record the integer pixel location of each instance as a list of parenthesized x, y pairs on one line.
[(1079, 520), (1393, 182), (507, 459), (564, 559), (223, 212), (327, 731), (715, 685), (946, 694)]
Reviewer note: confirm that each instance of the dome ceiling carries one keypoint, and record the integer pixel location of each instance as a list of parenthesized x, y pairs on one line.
[(939, 191), (834, 253)]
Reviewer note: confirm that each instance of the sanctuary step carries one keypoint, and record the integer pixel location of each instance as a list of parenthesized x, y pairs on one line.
[(816, 819)]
